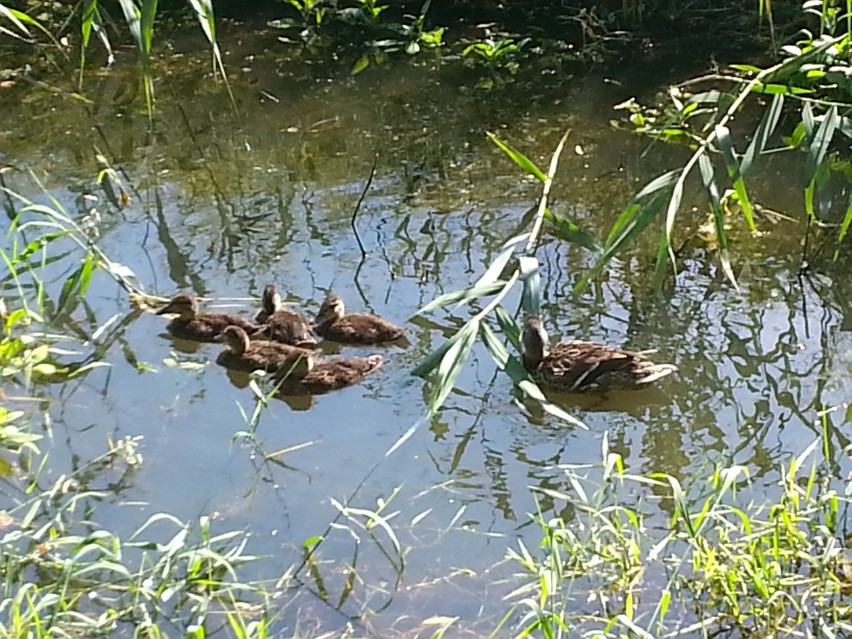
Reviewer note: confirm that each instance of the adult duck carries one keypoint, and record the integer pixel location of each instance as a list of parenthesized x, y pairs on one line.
[(578, 366)]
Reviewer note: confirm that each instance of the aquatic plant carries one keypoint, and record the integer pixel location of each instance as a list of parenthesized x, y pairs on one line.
[(724, 564), (447, 360), (139, 18), (812, 79)]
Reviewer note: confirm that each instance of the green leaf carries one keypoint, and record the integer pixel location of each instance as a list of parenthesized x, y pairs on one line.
[(847, 220), (435, 357), (660, 184), (362, 63), (520, 377), (820, 142), (632, 220), (567, 230), (707, 175), (462, 295), (726, 144), (531, 297), (495, 269), (763, 132), (746, 68), (519, 158), (511, 330), (452, 362), (494, 346), (665, 252)]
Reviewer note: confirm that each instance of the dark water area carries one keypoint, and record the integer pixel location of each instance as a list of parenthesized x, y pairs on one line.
[(223, 203)]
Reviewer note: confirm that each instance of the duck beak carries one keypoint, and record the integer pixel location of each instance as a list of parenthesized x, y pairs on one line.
[(166, 309)]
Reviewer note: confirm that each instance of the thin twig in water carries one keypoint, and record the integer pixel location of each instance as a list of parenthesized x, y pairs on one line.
[(358, 206), (803, 267)]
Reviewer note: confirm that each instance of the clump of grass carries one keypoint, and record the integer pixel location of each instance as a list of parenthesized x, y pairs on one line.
[(723, 564), (64, 575)]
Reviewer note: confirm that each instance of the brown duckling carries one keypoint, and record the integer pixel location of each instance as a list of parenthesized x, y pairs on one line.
[(201, 327), (241, 354), (328, 375), (283, 325), (577, 366), (335, 324)]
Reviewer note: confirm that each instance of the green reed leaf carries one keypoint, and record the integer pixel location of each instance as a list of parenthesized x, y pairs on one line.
[(763, 132), (452, 362), (519, 158), (495, 269), (820, 142), (726, 144), (464, 294), (707, 175), (567, 230)]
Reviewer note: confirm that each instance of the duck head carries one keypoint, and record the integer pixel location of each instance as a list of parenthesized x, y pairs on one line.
[(271, 299), (235, 340), (332, 309), (183, 305), (534, 341)]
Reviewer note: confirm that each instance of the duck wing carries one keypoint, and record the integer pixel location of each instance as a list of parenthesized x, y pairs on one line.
[(330, 375), (289, 327), (579, 365), (265, 356), (360, 328)]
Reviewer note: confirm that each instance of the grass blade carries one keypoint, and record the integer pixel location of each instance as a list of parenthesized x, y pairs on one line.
[(567, 230), (707, 175), (763, 132), (519, 158), (452, 362), (726, 144), (640, 215), (495, 269), (520, 377), (820, 143), (462, 295)]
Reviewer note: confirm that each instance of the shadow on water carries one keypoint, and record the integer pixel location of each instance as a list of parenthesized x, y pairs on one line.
[(226, 206)]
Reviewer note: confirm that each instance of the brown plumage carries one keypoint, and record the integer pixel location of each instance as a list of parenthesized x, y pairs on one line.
[(240, 354), (329, 375), (583, 366), (335, 324), (201, 327), (283, 325)]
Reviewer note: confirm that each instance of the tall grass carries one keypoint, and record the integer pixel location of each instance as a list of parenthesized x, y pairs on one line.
[(726, 562)]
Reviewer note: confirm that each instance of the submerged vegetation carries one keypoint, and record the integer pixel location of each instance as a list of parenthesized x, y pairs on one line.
[(620, 553)]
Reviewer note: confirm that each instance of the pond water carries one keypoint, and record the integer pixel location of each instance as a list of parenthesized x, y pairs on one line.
[(224, 203)]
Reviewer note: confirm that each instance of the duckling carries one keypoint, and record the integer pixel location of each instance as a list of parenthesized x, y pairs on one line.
[(201, 327), (334, 324), (328, 375), (585, 366), (283, 325), (241, 354)]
